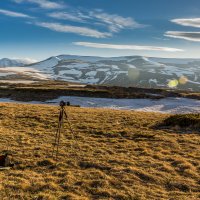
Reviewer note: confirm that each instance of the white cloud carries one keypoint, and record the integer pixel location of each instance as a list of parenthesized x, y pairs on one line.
[(46, 4), (115, 22), (193, 22), (14, 14), (126, 47), (66, 16), (191, 36), (73, 29), (26, 60)]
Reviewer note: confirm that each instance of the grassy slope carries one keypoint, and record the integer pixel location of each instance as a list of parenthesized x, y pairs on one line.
[(117, 155)]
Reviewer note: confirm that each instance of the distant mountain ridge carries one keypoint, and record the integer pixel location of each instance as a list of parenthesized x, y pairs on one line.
[(6, 62), (120, 71)]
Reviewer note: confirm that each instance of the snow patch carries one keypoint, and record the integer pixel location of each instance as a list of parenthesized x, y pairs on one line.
[(71, 71), (91, 73), (131, 66), (26, 71), (115, 67)]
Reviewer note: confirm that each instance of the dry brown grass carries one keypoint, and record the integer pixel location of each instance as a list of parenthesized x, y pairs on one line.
[(116, 155)]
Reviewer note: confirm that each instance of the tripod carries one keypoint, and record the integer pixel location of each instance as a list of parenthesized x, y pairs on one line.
[(62, 114)]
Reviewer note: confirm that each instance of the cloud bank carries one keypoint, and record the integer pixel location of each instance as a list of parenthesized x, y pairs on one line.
[(126, 47), (193, 22), (84, 31), (190, 36), (115, 23), (46, 4), (14, 14), (66, 16)]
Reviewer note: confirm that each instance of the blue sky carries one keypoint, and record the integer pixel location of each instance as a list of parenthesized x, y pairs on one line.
[(38, 29)]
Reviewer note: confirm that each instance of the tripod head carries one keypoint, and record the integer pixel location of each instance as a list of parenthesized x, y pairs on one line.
[(63, 104)]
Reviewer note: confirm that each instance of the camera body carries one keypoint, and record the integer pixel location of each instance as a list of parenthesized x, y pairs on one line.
[(63, 103)]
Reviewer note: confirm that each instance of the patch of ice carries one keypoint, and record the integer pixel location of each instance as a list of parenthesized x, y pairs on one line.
[(167, 105)]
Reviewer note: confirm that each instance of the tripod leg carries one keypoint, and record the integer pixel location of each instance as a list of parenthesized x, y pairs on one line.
[(71, 130), (57, 132), (70, 127)]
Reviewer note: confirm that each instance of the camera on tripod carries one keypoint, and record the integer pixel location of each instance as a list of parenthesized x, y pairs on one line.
[(63, 104), (62, 114)]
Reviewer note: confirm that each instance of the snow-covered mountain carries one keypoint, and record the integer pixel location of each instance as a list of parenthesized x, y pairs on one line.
[(121, 71), (6, 62)]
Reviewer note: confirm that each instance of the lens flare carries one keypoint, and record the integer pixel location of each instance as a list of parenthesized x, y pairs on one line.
[(183, 80), (172, 83), (133, 74)]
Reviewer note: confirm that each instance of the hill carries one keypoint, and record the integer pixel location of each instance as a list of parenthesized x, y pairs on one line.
[(137, 71), (6, 62), (116, 155)]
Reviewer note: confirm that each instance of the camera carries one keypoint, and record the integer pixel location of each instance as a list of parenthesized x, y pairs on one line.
[(63, 103)]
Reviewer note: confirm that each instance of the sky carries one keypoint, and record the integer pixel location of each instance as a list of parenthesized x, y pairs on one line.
[(38, 29)]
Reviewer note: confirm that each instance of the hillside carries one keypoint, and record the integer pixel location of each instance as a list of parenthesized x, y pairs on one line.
[(117, 155), (135, 71), (6, 62)]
